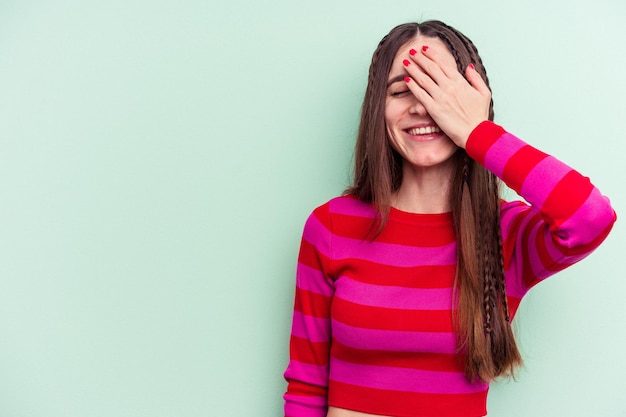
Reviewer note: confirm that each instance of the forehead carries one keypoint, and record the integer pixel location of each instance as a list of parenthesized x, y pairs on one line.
[(416, 43), (419, 41)]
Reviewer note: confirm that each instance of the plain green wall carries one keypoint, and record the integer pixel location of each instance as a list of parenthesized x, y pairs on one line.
[(158, 160)]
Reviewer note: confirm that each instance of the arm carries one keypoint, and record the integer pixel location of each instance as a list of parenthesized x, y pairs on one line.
[(307, 372), (567, 217)]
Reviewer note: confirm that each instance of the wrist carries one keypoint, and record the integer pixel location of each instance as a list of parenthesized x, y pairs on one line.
[(481, 138)]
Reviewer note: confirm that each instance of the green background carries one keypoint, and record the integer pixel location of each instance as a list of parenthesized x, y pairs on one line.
[(158, 160)]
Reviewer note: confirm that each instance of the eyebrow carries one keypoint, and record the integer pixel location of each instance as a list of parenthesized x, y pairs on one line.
[(396, 79)]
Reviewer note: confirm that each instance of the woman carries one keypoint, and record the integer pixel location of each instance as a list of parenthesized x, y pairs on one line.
[(407, 284)]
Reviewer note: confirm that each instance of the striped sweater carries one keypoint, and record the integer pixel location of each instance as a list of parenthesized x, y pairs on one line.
[(372, 325)]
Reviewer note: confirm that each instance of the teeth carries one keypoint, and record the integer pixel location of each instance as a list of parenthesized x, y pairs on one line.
[(424, 130)]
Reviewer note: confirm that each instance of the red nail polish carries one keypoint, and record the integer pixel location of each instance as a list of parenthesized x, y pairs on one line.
[(412, 52), (406, 62), (424, 48), (472, 66), (407, 79)]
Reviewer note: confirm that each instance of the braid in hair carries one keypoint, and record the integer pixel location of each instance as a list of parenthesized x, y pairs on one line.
[(502, 283), (377, 167), (375, 58), (475, 59), (500, 286), (491, 265), (362, 165)]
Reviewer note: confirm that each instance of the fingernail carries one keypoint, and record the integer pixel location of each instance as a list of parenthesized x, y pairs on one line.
[(406, 62), (424, 48), (407, 79), (472, 66), (412, 52)]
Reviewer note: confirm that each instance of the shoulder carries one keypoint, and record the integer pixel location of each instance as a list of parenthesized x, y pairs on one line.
[(344, 205), (341, 215)]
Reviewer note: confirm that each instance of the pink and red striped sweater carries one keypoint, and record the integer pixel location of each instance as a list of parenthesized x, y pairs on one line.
[(372, 326)]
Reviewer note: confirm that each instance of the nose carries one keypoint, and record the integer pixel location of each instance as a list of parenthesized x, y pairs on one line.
[(418, 108)]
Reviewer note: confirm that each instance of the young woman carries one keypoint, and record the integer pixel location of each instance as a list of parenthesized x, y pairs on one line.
[(407, 284)]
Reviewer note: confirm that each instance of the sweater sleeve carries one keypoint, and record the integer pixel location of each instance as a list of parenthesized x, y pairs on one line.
[(566, 217), (309, 350)]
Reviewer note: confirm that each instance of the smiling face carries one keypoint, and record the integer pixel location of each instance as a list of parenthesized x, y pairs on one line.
[(412, 132)]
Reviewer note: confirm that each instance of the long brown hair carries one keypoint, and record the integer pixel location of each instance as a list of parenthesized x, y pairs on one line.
[(486, 340)]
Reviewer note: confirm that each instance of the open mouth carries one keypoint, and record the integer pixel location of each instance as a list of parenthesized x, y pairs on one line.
[(426, 130)]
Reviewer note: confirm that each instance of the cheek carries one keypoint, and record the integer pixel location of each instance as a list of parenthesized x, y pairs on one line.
[(390, 116)]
